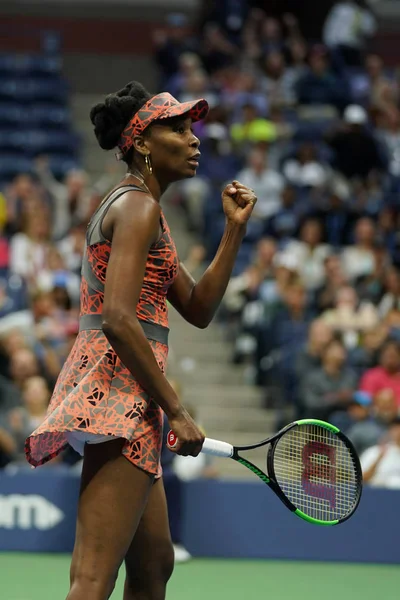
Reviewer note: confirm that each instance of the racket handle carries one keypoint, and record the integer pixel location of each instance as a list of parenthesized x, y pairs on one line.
[(212, 447)]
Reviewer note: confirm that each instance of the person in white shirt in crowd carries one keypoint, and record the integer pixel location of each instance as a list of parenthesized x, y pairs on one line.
[(350, 318), (310, 253), (305, 169), (381, 463), (359, 260), (29, 248), (348, 26), (266, 183)]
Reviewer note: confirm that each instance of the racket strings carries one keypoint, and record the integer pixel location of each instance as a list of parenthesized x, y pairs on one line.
[(317, 472)]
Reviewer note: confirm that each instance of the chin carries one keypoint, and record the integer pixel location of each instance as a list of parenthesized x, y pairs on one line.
[(187, 174)]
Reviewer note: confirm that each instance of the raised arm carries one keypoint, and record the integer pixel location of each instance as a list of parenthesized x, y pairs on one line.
[(198, 302)]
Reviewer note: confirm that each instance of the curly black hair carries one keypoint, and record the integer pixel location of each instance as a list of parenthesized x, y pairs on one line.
[(112, 116)]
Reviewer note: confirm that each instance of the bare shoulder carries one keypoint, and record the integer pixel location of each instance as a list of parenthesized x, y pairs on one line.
[(135, 211)]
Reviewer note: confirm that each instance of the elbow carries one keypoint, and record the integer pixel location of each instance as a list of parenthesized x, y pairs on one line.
[(202, 324), (201, 321), (114, 323)]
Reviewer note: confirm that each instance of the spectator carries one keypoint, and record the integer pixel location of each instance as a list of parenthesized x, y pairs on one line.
[(246, 286), (197, 85), (278, 83), (320, 336), (382, 91), (348, 26), (391, 298), (271, 36), (334, 279), (381, 463), (333, 214), (216, 52), (310, 252), (359, 259), (170, 44), (305, 169), (319, 85), (330, 387), (284, 224), (72, 247), (280, 340), (387, 374), (13, 296), (29, 248), (350, 317), (187, 63), (252, 128), (266, 183), (69, 198), (23, 365), (55, 274), (370, 431), (356, 150), (21, 421)]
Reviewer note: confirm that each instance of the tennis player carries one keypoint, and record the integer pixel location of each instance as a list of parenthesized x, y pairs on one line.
[(111, 392)]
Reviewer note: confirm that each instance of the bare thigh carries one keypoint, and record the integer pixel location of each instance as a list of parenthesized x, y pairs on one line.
[(112, 500), (149, 561)]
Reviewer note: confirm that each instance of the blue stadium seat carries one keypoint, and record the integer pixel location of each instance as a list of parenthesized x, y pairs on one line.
[(49, 115), (27, 64), (13, 164), (33, 89), (11, 114)]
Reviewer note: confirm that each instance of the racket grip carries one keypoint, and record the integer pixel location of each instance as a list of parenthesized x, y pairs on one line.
[(211, 447), (217, 448)]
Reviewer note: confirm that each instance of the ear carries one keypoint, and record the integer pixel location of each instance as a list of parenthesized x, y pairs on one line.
[(140, 145)]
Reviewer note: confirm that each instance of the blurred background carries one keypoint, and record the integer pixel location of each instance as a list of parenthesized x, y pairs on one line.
[(305, 109)]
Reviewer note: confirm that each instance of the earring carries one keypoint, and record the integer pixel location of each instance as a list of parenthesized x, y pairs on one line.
[(148, 163)]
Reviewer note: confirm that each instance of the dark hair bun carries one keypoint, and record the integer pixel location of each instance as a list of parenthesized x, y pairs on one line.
[(111, 116)]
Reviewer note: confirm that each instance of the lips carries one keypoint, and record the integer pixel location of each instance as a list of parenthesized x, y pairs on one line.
[(194, 160)]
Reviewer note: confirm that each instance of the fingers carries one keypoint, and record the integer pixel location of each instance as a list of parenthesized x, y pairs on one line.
[(190, 449)]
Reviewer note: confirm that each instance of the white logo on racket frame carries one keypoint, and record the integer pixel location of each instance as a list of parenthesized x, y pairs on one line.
[(19, 511)]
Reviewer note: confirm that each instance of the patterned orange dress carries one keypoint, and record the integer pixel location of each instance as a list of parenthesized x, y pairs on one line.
[(95, 393)]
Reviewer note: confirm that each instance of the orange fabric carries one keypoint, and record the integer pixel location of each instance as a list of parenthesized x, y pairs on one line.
[(95, 392)]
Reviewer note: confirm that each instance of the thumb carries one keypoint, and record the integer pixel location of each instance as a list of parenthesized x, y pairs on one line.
[(247, 210)]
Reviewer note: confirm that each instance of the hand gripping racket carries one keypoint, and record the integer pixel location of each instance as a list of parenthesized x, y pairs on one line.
[(311, 466)]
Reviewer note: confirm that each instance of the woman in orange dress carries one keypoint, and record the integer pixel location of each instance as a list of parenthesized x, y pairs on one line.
[(111, 392)]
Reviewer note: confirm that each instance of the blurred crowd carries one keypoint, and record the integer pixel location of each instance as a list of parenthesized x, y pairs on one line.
[(42, 238), (313, 126), (313, 307)]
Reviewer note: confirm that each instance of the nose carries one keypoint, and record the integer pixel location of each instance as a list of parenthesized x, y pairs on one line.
[(194, 142)]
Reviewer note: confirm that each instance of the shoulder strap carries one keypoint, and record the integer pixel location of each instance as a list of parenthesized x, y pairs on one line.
[(94, 234)]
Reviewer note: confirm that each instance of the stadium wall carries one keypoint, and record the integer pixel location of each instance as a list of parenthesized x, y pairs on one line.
[(222, 519)]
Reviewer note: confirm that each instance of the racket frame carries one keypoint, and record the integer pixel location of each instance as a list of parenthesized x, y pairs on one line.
[(270, 478)]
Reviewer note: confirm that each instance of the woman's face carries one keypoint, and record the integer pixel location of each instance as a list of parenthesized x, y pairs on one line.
[(174, 149)]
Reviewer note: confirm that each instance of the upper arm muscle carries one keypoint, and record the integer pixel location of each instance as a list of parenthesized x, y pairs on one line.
[(135, 227)]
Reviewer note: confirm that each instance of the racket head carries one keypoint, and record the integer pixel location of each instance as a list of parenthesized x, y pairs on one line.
[(315, 471)]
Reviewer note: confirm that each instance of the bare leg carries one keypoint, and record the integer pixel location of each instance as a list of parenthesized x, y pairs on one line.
[(150, 559), (112, 500)]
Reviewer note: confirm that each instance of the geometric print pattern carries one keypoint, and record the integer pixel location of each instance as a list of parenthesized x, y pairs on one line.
[(95, 392), (162, 106)]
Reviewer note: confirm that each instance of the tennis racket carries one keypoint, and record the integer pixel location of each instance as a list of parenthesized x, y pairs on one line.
[(311, 466)]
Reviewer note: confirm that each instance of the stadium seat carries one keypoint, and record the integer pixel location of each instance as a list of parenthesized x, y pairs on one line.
[(11, 114), (49, 115), (13, 164), (26, 64)]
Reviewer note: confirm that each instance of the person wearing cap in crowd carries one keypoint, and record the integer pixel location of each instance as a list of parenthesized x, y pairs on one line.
[(356, 151)]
